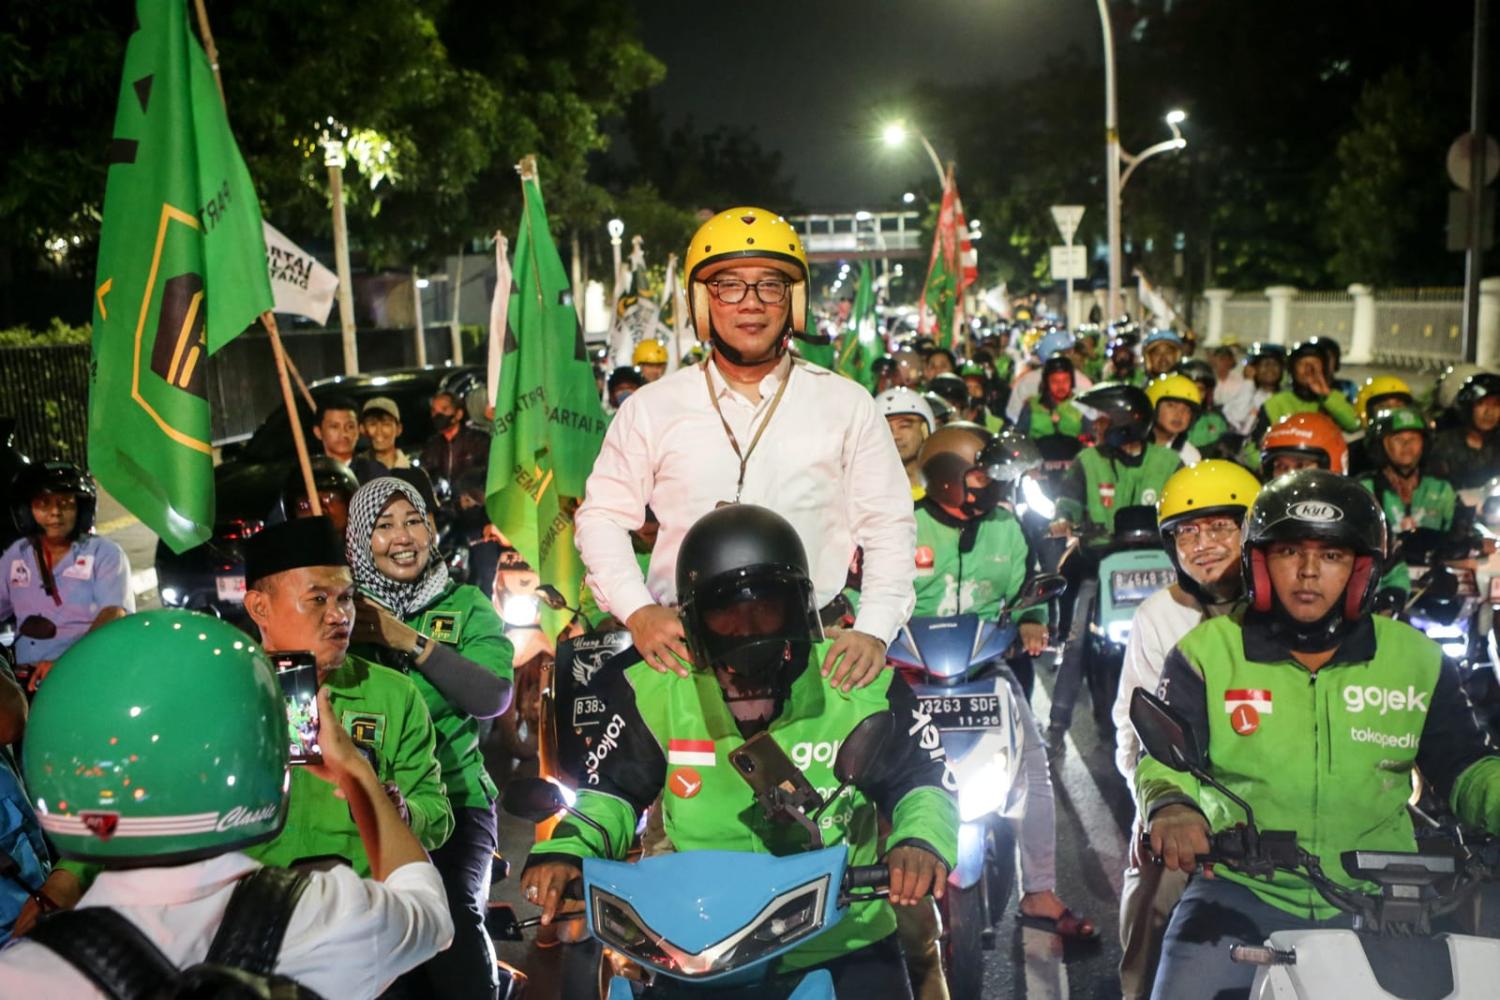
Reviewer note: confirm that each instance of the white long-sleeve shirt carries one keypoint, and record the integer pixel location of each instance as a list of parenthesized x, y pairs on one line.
[(1160, 621), (826, 463), (347, 937)]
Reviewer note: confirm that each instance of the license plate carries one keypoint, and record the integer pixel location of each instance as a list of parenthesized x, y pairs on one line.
[(1130, 587), (231, 588), (963, 711)]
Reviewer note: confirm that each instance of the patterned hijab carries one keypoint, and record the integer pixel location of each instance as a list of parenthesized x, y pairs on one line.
[(403, 599)]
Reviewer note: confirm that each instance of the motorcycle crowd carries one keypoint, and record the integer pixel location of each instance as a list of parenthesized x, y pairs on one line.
[(786, 744)]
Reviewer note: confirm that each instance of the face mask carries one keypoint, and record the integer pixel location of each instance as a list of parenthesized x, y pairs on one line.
[(980, 501), (442, 421)]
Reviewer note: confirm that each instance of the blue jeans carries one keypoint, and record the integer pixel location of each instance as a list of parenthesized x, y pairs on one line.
[(1212, 915)]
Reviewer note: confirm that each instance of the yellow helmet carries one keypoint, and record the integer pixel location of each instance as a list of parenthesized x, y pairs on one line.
[(1173, 386), (1214, 486), (649, 352), (742, 236), (1374, 388)]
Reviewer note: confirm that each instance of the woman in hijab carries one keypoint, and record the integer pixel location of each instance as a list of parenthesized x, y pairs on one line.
[(450, 641)]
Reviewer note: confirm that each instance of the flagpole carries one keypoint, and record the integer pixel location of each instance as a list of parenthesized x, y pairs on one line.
[(268, 320)]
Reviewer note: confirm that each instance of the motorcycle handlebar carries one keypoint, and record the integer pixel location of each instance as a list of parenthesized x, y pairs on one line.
[(867, 877)]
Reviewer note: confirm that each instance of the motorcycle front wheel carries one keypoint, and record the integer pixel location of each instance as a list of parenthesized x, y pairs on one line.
[(963, 942)]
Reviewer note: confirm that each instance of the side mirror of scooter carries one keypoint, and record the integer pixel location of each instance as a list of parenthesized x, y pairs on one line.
[(1164, 733), (1040, 590), (538, 800), (860, 759), (552, 597)]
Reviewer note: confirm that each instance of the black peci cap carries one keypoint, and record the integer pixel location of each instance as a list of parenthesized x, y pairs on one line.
[(303, 541)]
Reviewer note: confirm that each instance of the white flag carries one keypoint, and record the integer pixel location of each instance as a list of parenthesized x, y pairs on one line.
[(301, 285), (499, 307)]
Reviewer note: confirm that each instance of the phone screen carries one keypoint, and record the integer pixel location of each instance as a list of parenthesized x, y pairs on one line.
[(298, 674)]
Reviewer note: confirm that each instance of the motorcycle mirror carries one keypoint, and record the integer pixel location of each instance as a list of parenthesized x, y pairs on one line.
[(1164, 733), (37, 627), (551, 597), (859, 755), (1041, 589), (533, 799)]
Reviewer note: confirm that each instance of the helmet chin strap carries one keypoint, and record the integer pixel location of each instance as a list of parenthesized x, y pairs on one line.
[(737, 357), (1310, 637)]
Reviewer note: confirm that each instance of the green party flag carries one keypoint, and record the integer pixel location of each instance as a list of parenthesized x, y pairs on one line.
[(549, 423), (182, 271), (857, 347)]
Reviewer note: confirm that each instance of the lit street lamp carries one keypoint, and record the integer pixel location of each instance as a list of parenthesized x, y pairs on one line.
[(895, 134), (616, 232), (1113, 155)]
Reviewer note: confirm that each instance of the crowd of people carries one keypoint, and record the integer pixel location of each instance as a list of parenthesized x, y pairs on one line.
[(763, 528)]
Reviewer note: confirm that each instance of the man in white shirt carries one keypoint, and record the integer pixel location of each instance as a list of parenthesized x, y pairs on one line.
[(1200, 512), (752, 424), (168, 697), (1265, 365)]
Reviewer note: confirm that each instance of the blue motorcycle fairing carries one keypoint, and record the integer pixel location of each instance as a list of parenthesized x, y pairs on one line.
[(949, 646), (695, 900)]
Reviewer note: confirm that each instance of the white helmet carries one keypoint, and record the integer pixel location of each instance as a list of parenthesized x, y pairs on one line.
[(901, 401)]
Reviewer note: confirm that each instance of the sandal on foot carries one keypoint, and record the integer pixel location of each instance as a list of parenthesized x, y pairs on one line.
[(1069, 925)]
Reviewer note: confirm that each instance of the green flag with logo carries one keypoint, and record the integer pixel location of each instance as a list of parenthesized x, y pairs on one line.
[(182, 271), (857, 348), (549, 422)]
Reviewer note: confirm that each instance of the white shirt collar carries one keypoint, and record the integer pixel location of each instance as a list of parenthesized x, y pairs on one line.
[(169, 886)]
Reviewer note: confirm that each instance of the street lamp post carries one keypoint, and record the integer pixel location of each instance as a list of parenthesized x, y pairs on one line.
[(616, 232), (1113, 154), (895, 134), (333, 159)]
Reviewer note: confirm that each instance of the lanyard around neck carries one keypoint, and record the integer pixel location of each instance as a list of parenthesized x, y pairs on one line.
[(744, 457)]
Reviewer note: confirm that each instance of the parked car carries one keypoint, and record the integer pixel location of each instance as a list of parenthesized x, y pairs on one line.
[(248, 482)]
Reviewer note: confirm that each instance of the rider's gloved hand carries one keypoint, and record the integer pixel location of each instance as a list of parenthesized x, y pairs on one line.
[(915, 873), (1179, 834), (659, 638)]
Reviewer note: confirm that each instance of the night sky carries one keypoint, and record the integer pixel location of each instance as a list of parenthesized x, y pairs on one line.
[(816, 78)]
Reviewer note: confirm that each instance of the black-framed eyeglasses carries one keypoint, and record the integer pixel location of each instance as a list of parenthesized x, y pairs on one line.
[(730, 291)]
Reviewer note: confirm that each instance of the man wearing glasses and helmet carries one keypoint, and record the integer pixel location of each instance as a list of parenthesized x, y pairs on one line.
[(752, 424)]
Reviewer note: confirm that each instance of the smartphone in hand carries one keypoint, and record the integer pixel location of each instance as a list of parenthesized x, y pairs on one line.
[(298, 674)]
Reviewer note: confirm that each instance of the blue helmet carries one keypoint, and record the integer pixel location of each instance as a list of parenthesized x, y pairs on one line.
[(1054, 343), (1158, 335)]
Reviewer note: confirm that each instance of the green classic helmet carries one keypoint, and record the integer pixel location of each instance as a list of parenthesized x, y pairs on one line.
[(160, 738)]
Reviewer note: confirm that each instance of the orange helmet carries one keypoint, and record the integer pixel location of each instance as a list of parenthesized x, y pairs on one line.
[(1307, 435)]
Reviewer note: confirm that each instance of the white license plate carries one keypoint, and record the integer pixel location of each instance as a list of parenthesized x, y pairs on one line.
[(231, 588), (964, 711)]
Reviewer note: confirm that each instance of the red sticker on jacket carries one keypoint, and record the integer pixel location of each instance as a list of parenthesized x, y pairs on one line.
[(685, 782), (1245, 720), (1107, 495), (925, 557)]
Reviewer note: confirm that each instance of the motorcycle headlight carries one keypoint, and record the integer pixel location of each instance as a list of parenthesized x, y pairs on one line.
[(1036, 498), (1119, 632), (982, 792), (785, 920), (1456, 650), (520, 609)]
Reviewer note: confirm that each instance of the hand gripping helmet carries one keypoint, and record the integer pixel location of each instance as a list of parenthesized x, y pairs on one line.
[(1126, 407), (1211, 487), (52, 477), (649, 352), (129, 763), (1316, 504), (1385, 391), (746, 598), (901, 401), (1174, 386), (1307, 435), (1389, 422), (1476, 387), (745, 237), (947, 458)]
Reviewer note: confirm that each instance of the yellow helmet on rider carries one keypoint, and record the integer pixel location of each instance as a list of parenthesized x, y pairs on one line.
[(741, 237)]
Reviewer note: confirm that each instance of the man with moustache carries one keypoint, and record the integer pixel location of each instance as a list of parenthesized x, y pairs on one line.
[(1199, 514), (752, 424), (300, 594)]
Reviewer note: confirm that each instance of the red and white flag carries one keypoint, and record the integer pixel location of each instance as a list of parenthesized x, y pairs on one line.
[(690, 753), (1258, 699)]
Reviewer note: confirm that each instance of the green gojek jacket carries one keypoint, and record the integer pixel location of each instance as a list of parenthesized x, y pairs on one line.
[(1432, 503), (1328, 754), (1095, 487), (385, 714), (463, 618), (1042, 421), (670, 736), (970, 566), (1207, 429)]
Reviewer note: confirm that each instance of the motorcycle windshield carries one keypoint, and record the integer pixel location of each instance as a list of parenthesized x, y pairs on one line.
[(947, 646), (681, 915)]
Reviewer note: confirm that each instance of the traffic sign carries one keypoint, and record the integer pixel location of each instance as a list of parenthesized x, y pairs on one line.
[(1069, 262), (1067, 218)]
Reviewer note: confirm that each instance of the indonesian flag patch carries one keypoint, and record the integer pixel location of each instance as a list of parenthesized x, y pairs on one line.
[(690, 753), (1245, 707)]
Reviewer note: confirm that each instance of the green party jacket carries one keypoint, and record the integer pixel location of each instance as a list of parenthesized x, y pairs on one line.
[(670, 736)]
